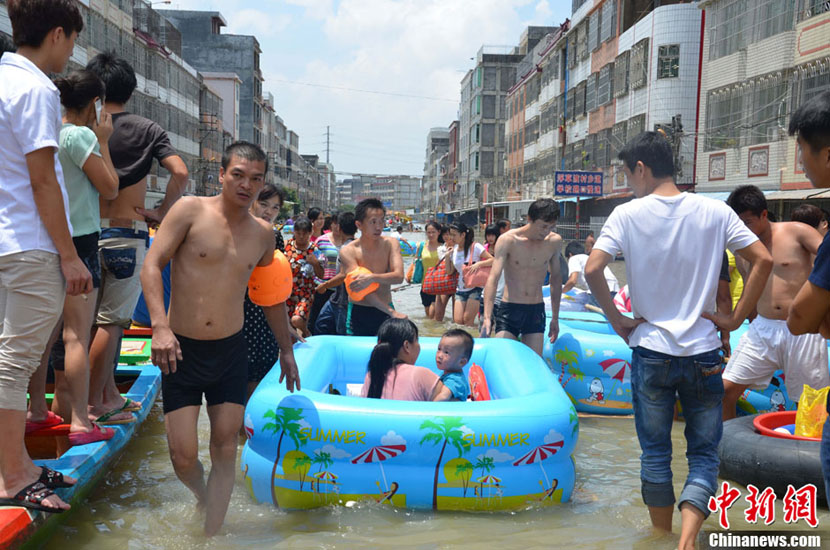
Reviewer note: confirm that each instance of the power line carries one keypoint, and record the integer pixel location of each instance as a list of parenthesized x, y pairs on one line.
[(358, 90)]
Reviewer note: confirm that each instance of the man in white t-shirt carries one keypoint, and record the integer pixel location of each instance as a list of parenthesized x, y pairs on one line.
[(577, 258), (673, 243), (38, 261)]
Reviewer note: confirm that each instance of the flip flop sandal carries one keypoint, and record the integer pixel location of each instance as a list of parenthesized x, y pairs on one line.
[(130, 405), (32, 497), (97, 434), (105, 418), (51, 420), (52, 479)]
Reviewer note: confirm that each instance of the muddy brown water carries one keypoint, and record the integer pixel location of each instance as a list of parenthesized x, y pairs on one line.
[(141, 505)]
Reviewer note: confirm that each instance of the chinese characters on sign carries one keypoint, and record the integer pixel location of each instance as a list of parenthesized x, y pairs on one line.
[(575, 183), (798, 504)]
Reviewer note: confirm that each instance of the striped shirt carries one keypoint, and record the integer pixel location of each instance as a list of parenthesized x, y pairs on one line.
[(331, 251)]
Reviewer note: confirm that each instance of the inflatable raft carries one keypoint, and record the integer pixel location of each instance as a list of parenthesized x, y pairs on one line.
[(314, 448)]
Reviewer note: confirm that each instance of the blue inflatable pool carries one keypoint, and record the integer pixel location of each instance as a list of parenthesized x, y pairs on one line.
[(593, 365), (408, 249), (313, 448)]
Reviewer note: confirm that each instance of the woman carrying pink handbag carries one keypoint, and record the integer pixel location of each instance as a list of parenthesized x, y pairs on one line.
[(473, 262)]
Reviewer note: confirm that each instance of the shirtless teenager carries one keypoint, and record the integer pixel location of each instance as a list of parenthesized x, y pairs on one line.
[(380, 255), (134, 144), (214, 243), (768, 345), (526, 255)]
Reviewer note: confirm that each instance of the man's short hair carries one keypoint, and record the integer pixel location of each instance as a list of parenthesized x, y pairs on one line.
[(302, 224), (811, 121), (32, 20), (244, 150), (543, 209), (747, 198), (467, 340), (653, 150), (117, 74), (346, 222), (809, 214), (363, 207), (574, 248)]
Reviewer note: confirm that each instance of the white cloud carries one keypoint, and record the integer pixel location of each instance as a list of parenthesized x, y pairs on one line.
[(315, 8), (608, 353), (553, 436), (303, 423), (257, 22), (333, 451), (496, 455), (391, 438), (466, 431)]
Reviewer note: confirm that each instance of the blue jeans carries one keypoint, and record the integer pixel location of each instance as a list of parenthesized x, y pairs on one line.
[(657, 380), (825, 456), (331, 320)]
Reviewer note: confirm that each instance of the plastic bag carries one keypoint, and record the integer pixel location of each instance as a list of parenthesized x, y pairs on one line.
[(812, 412)]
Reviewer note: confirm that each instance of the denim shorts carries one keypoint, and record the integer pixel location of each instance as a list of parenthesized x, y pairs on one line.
[(472, 294), (122, 255), (657, 380)]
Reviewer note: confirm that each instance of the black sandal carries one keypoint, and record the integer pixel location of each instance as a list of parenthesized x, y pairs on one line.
[(31, 497), (52, 479)]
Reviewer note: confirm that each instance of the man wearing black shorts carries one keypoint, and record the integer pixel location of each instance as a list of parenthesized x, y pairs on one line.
[(526, 255), (199, 344)]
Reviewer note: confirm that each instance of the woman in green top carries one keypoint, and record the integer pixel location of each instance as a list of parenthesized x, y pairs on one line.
[(89, 175), (429, 258)]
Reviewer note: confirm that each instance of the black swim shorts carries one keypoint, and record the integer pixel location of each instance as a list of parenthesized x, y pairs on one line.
[(520, 319), (364, 321), (216, 368)]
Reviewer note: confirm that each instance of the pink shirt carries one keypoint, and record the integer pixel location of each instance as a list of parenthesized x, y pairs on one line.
[(406, 383)]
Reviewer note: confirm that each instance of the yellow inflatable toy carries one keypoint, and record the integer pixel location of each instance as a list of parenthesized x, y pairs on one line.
[(271, 284), (359, 295)]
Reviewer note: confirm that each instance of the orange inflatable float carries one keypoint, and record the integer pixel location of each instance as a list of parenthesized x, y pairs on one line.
[(271, 284), (359, 295)]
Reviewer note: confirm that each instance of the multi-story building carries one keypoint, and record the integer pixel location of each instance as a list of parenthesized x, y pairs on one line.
[(205, 48), (438, 143), (760, 61), (617, 68), (170, 91), (228, 86)]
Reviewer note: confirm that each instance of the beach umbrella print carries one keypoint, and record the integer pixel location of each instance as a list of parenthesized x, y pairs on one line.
[(617, 369), (325, 475), (379, 454), (539, 454), (489, 480)]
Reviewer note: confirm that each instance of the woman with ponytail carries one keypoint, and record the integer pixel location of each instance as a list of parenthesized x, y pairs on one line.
[(391, 373), (89, 175), (466, 252)]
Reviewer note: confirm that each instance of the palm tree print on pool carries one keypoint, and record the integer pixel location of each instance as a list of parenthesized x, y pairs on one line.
[(566, 358), (285, 420), (446, 430)]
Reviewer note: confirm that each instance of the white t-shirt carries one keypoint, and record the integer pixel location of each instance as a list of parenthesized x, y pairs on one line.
[(458, 259), (577, 264), (673, 249), (30, 119)]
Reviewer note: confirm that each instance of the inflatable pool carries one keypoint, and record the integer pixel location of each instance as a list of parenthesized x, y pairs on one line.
[(287, 229), (408, 249), (593, 365), (747, 456), (314, 448)]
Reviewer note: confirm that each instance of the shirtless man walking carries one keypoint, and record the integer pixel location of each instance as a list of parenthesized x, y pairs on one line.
[(526, 255), (214, 243), (380, 255), (768, 345)]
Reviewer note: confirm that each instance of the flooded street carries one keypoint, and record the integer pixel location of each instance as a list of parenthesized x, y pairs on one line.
[(141, 504)]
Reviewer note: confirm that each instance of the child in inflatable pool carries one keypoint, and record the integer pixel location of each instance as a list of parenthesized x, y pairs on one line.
[(454, 351), (391, 373)]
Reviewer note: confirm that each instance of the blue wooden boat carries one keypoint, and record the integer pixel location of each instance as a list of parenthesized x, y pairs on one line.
[(87, 463)]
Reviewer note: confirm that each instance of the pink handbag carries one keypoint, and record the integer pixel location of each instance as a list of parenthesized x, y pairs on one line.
[(475, 279)]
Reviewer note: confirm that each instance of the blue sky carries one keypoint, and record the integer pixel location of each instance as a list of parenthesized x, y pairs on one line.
[(413, 47)]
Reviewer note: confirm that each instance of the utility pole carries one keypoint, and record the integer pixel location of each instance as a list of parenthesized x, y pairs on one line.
[(328, 136)]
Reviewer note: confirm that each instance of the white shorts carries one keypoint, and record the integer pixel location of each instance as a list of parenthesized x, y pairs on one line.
[(768, 346)]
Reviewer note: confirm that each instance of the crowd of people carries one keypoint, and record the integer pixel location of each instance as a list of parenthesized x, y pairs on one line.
[(75, 256)]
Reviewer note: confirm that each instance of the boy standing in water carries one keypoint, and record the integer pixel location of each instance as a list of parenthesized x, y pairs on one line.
[(380, 255), (526, 255), (677, 239), (214, 243), (768, 345), (810, 311)]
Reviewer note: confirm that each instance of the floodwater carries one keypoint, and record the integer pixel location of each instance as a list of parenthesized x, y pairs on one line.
[(141, 505)]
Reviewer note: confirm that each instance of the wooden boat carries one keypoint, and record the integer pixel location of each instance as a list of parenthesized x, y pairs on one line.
[(87, 463)]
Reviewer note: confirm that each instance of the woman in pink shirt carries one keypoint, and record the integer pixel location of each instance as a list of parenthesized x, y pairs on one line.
[(391, 372)]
